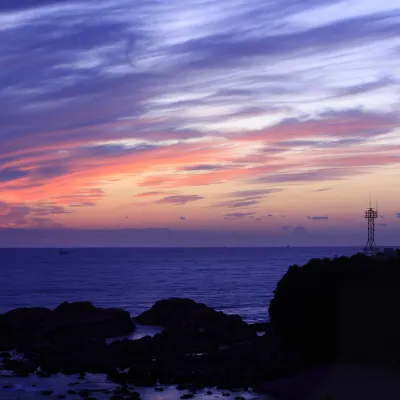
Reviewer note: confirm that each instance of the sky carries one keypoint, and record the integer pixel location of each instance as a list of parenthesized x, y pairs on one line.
[(198, 122)]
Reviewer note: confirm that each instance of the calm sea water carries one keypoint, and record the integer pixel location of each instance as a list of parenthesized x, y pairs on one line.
[(233, 280)]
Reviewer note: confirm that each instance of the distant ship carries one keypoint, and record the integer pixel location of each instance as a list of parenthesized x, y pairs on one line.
[(61, 251)]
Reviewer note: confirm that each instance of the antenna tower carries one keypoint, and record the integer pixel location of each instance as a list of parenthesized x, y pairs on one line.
[(371, 215)]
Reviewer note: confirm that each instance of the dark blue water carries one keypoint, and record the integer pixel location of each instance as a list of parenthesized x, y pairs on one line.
[(234, 280)]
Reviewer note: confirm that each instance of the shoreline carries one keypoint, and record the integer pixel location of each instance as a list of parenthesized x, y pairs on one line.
[(319, 317)]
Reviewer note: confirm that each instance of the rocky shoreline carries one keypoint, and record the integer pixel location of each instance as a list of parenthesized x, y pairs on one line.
[(320, 314), (198, 347)]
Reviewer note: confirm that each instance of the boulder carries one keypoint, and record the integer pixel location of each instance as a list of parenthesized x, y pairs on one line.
[(83, 319), (24, 328), (17, 326), (174, 311), (230, 329)]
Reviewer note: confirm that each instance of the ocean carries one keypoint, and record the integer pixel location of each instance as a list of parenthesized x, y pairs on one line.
[(233, 280)]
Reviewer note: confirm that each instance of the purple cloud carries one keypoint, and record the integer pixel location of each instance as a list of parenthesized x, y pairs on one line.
[(323, 190), (318, 217), (179, 199), (238, 203), (238, 215), (11, 174)]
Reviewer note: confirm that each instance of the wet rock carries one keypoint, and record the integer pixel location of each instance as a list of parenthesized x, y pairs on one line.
[(62, 396), (84, 393), (226, 394), (159, 389), (133, 396), (20, 367), (187, 396), (5, 354), (174, 311), (8, 386), (186, 386), (46, 392), (240, 398), (43, 374)]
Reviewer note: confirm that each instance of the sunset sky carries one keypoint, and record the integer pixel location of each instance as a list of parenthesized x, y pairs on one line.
[(237, 122)]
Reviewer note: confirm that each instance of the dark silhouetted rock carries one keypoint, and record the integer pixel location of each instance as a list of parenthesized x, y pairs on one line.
[(30, 328), (83, 319), (175, 311), (343, 309), (46, 392), (261, 326), (20, 367), (229, 330)]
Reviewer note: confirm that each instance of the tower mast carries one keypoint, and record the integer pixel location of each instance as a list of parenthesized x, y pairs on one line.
[(371, 215)]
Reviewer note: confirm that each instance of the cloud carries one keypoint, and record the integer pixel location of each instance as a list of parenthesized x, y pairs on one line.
[(221, 49), (182, 218), (13, 5), (397, 215), (239, 203), (28, 215), (238, 215), (365, 87), (95, 92), (179, 199), (254, 192), (318, 218), (382, 225), (150, 194), (205, 167), (321, 174), (10, 174), (323, 190)]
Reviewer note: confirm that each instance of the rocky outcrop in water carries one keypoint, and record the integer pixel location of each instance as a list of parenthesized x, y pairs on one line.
[(25, 327), (175, 311), (198, 345)]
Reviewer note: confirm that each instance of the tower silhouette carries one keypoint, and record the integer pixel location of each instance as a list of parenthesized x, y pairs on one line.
[(371, 215)]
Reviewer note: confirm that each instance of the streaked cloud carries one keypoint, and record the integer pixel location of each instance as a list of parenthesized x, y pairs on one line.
[(244, 105), (179, 199), (238, 215)]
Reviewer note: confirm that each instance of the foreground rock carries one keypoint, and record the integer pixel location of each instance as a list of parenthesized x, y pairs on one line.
[(26, 327), (340, 309), (199, 345)]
